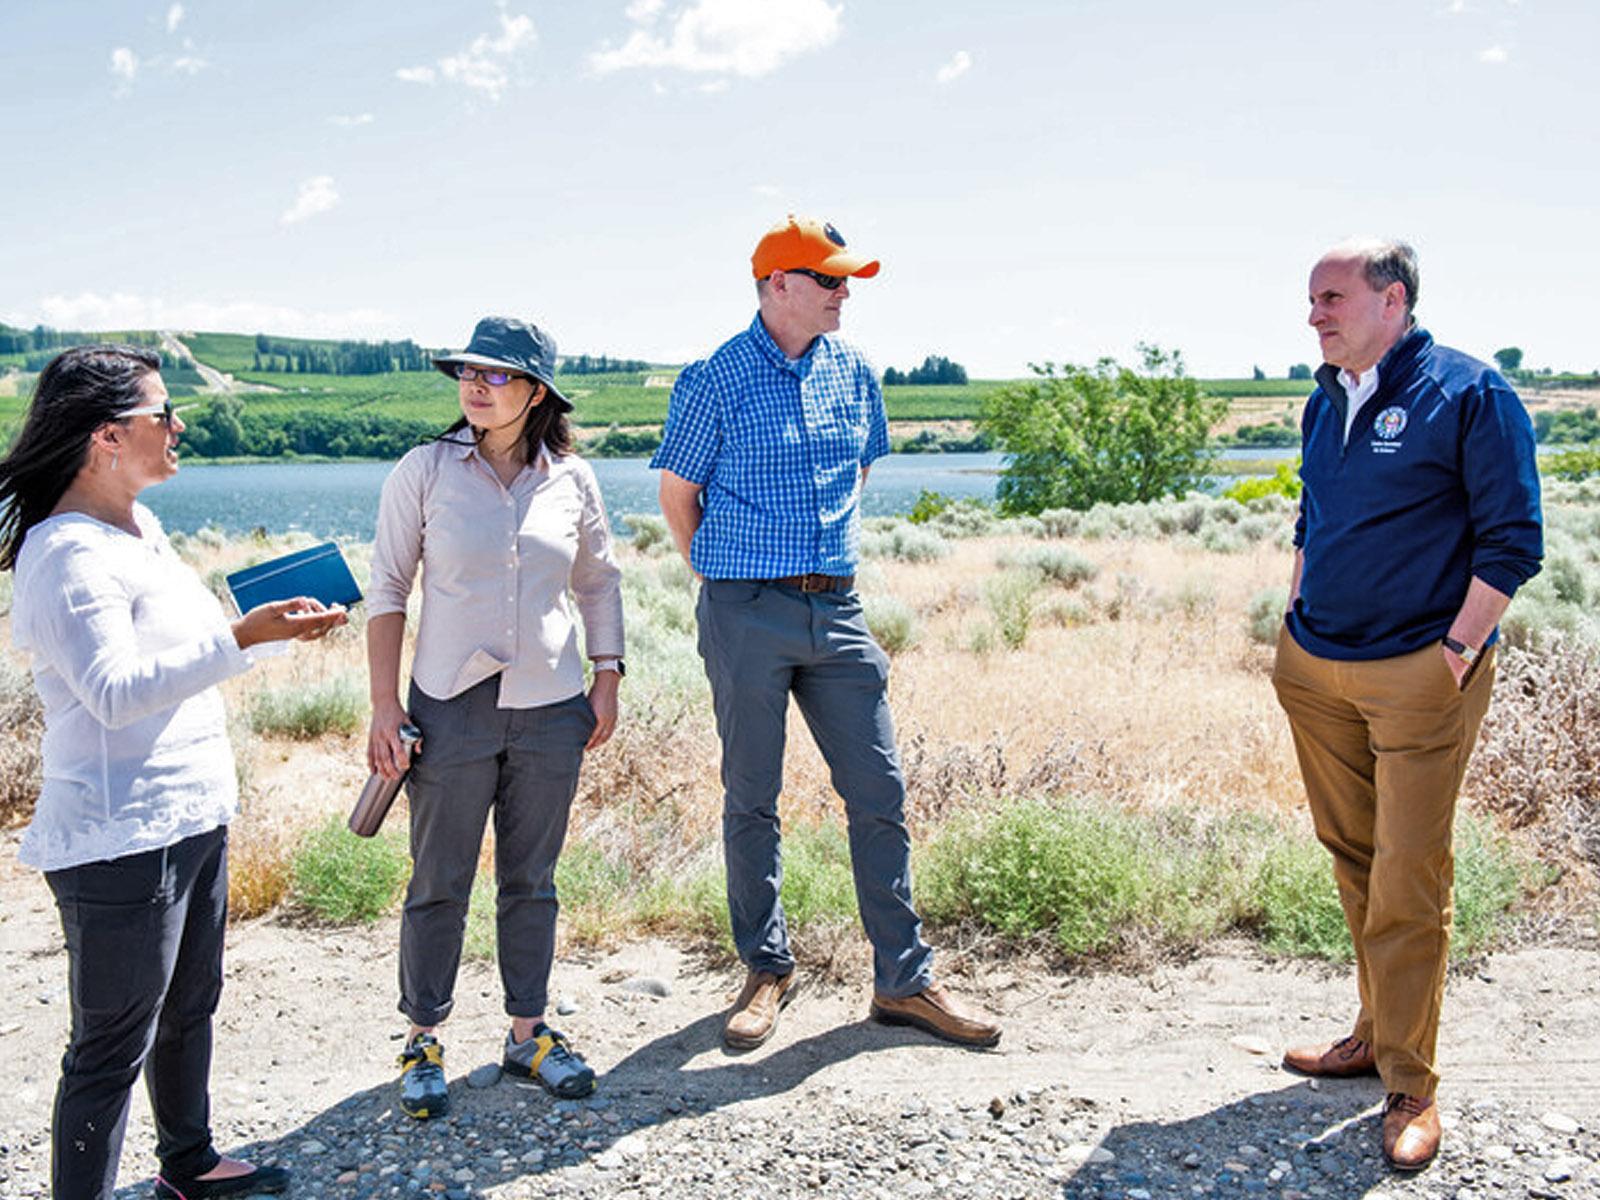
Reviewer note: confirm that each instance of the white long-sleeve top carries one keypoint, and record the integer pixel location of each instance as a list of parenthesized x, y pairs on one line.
[(127, 647), (502, 569)]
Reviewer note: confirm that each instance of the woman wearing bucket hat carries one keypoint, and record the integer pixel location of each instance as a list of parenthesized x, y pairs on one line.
[(508, 526)]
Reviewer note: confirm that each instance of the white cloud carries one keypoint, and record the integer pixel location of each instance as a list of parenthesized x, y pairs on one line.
[(1494, 55), (317, 195), (351, 121), (189, 64), (713, 87), (485, 65), (959, 64), (741, 37), (768, 190), (130, 310), (124, 63), (174, 16), (642, 11)]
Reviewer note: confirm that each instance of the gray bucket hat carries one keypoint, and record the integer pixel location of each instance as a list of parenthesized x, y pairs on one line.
[(512, 345)]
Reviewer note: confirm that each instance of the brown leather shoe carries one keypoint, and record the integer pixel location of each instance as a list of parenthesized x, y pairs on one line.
[(754, 1017), (941, 1014), (1410, 1131), (1344, 1058)]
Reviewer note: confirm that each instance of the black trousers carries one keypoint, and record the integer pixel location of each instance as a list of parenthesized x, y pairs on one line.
[(144, 957)]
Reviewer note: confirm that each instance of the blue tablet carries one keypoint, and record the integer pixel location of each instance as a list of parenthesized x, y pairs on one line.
[(317, 571)]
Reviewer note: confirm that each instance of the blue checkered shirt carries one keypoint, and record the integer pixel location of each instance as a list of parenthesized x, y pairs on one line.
[(778, 447)]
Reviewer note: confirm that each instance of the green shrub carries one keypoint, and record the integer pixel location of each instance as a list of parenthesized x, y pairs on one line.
[(1264, 618), (892, 623), (1489, 881), (648, 531), (928, 505), (1075, 873), (907, 543), (305, 711), (1285, 481), (1056, 564), (1298, 903), (1571, 465), (818, 888), (342, 879), (1010, 596)]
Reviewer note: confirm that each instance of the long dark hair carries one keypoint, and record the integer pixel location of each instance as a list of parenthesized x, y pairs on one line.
[(547, 425), (78, 391)]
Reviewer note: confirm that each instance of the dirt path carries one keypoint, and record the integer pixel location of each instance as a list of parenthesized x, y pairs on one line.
[(308, 1032)]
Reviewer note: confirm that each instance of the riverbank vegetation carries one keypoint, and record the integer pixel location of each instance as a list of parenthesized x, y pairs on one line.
[(1097, 769)]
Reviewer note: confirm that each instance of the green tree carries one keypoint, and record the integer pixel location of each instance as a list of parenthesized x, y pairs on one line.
[(1509, 359), (1076, 436), (1300, 371)]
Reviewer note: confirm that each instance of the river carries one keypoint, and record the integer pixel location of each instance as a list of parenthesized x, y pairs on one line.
[(341, 499)]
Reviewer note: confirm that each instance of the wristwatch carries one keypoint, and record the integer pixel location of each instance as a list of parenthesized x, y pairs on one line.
[(611, 664), (1465, 652)]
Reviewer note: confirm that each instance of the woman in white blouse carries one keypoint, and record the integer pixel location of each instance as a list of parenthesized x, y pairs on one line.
[(507, 525), (130, 827)]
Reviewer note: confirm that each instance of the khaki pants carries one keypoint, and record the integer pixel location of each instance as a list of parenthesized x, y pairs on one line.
[(1383, 745)]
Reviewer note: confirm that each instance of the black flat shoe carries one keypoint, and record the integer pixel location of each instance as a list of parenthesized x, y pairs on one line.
[(263, 1181)]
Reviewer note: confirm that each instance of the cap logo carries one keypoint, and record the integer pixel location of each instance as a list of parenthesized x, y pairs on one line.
[(834, 235)]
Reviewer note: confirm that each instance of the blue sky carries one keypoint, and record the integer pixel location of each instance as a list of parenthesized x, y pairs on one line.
[(1041, 180)]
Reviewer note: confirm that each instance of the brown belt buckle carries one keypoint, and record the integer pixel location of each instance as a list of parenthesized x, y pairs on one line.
[(815, 583)]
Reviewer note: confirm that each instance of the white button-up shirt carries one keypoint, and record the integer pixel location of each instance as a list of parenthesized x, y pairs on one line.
[(127, 648), (502, 570), (1358, 389)]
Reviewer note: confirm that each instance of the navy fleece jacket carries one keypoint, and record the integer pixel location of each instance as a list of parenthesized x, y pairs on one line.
[(1437, 484)]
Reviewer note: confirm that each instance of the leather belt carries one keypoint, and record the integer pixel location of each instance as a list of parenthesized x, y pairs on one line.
[(818, 583)]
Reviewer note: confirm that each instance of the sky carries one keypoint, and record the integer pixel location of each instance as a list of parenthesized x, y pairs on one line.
[(1053, 181)]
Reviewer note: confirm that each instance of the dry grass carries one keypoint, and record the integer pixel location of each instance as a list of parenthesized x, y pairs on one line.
[(1538, 762), (21, 726), (259, 871), (1141, 687)]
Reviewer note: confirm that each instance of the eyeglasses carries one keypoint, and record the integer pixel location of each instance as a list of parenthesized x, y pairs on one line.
[(493, 378), (831, 282), (164, 410)]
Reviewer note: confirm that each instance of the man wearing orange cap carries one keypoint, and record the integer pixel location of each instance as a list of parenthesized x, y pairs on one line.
[(766, 447)]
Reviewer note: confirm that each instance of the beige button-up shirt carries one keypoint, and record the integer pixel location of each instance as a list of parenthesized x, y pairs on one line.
[(502, 570)]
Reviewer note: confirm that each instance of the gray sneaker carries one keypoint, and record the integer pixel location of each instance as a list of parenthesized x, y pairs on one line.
[(423, 1091), (547, 1059)]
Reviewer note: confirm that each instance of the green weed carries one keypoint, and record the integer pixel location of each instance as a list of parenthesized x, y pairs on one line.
[(342, 879)]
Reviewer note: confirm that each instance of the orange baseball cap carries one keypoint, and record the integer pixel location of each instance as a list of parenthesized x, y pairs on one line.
[(814, 245)]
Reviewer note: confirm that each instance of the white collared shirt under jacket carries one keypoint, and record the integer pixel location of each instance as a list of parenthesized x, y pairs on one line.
[(127, 647), (502, 569)]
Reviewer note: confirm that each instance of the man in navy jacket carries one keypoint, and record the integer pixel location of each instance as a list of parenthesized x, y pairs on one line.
[(1419, 519)]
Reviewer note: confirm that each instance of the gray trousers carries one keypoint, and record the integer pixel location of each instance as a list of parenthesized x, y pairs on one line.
[(761, 643), (144, 969), (523, 764)]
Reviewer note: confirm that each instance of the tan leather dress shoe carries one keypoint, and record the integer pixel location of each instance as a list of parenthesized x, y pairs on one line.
[(1410, 1131), (941, 1014), (754, 1017), (1342, 1059)]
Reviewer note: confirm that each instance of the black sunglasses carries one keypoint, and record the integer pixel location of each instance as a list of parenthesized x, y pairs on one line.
[(831, 282), (467, 372), (163, 410)]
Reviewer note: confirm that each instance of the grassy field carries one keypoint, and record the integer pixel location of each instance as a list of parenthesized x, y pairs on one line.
[(1097, 768)]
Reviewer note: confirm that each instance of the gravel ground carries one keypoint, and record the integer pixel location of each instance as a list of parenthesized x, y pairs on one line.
[(1163, 1084)]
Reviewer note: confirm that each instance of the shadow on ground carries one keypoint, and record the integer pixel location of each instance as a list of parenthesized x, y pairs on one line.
[(342, 1148), (1274, 1143)]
